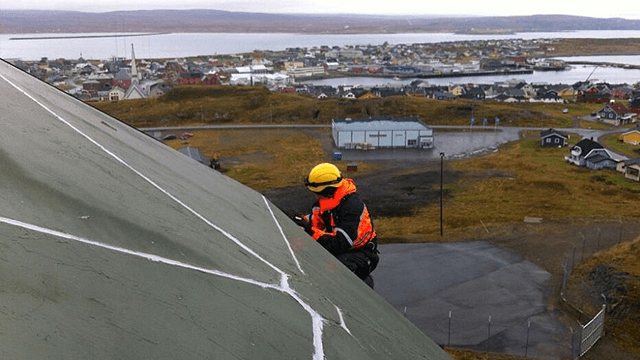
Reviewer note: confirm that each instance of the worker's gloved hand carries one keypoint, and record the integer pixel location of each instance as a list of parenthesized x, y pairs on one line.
[(300, 221)]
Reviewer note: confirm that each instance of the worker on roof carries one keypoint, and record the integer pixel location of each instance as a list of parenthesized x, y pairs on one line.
[(340, 222)]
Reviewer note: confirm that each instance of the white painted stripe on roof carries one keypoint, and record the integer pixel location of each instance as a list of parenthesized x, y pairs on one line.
[(147, 256), (282, 233), (342, 323)]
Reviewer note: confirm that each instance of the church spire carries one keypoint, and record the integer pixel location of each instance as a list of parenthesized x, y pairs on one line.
[(134, 71)]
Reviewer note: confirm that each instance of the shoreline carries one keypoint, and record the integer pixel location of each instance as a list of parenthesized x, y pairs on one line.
[(85, 36)]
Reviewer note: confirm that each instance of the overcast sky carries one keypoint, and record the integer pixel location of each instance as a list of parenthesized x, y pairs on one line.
[(628, 9)]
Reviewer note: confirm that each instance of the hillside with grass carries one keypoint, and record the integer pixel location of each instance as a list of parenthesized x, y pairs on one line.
[(614, 274), (191, 105)]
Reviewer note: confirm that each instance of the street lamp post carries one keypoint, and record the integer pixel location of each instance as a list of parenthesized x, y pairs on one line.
[(441, 190)]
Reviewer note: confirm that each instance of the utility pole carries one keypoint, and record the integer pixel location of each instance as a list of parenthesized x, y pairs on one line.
[(441, 190)]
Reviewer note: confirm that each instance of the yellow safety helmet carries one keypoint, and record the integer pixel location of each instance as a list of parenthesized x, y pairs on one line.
[(323, 176)]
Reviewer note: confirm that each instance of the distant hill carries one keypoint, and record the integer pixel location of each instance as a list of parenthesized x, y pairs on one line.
[(21, 22)]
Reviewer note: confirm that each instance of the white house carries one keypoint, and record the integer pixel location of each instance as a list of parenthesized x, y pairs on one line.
[(117, 93), (381, 132), (592, 155)]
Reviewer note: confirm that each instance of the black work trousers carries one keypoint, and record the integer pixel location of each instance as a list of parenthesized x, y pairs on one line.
[(361, 261)]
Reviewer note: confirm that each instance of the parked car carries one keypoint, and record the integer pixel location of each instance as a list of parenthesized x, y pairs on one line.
[(185, 135)]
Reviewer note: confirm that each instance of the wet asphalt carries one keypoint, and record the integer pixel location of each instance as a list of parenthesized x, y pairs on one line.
[(473, 295)]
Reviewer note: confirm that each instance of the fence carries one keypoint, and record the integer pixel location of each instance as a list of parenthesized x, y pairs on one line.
[(587, 335), (500, 334), (591, 332)]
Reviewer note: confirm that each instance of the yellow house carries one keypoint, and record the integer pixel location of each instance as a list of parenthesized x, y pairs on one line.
[(631, 137), (566, 92), (289, 65), (457, 91)]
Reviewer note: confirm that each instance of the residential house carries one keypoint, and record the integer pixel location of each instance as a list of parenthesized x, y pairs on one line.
[(622, 92), (440, 95), (634, 106), (211, 79), (92, 86), (509, 98), (564, 91), (553, 137), (527, 89), (191, 78), (116, 94), (474, 93), (549, 96), (290, 65), (593, 93), (155, 88), (630, 168), (591, 154), (122, 79), (633, 172), (387, 91), (457, 90), (615, 114), (631, 137)]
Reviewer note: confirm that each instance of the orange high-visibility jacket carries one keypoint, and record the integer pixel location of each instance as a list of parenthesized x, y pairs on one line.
[(342, 222)]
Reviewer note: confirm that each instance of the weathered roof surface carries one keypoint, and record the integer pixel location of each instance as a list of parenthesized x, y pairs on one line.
[(379, 123), (587, 145), (114, 246), (545, 133)]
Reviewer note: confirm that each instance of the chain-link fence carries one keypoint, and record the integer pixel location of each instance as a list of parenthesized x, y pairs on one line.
[(586, 335)]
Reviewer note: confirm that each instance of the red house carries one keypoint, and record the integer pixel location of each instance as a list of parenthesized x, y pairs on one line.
[(211, 79), (190, 79)]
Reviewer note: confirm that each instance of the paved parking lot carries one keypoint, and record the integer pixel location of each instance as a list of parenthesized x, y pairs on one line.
[(495, 297)]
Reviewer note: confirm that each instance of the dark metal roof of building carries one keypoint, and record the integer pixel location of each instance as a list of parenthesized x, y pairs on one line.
[(545, 133), (587, 145)]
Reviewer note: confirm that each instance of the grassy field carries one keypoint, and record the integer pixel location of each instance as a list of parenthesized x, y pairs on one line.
[(263, 159), (568, 47), (191, 105), (521, 180)]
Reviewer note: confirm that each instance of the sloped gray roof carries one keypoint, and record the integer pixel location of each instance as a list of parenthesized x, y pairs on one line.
[(545, 133), (114, 246)]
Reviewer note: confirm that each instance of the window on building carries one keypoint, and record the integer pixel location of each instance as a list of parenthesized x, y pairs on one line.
[(412, 142)]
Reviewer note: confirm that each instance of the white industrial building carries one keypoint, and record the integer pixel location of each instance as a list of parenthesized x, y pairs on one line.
[(384, 132)]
